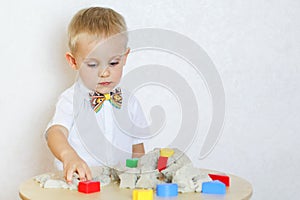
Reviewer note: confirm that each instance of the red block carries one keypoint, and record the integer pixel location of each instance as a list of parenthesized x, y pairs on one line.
[(89, 186), (162, 163), (223, 178)]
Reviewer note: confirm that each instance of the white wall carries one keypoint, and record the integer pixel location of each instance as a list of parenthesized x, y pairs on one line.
[(255, 46)]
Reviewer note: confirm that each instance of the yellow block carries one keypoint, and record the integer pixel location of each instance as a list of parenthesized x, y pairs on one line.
[(166, 152), (142, 194)]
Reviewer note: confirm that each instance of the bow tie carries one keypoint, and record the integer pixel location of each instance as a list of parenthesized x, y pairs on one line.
[(114, 97)]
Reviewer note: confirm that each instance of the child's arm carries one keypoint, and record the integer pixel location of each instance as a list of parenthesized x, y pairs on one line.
[(138, 150), (62, 150)]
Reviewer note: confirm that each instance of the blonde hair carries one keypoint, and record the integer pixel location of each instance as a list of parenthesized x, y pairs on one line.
[(98, 21)]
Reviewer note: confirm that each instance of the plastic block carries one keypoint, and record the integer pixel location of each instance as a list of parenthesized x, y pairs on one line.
[(223, 178), (162, 163), (167, 190), (166, 152), (142, 194), (213, 187), (89, 186), (132, 163)]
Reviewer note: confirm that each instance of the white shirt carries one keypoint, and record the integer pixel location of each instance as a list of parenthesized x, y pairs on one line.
[(97, 137)]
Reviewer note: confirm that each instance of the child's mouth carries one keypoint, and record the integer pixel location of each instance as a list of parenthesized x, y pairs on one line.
[(104, 83)]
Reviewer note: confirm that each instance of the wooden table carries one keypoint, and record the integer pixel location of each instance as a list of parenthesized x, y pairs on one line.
[(30, 190)]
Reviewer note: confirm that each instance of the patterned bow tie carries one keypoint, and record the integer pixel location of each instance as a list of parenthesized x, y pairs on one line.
[(114, 97)]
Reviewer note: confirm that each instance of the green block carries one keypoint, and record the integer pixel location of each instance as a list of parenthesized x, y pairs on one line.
[(132, 163)]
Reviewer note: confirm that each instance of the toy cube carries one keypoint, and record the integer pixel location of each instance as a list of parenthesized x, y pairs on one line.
[(167, 190), (162, 163), (223, 178), (89, 186), (213, 187), (166, 152), (132, 163), (142, 194)]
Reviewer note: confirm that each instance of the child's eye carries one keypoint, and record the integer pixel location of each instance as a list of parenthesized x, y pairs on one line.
[(113, 63), (92, 64)]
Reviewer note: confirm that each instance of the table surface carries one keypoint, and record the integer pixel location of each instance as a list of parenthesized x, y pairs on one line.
[(30, 190)]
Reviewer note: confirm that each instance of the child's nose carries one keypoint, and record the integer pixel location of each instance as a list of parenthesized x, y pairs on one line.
[(104, 72)]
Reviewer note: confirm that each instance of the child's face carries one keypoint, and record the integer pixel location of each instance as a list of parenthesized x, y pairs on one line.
[(100, 62)]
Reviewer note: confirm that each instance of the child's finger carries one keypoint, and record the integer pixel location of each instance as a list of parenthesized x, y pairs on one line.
[(69, 175), (82, 174), (88, 174)]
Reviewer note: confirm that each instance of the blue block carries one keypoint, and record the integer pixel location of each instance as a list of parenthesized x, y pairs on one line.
[(213, 187), (167, 190)]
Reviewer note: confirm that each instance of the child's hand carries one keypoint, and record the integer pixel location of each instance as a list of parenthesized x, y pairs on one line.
[(138, 150), (73, 163), (60, 147)]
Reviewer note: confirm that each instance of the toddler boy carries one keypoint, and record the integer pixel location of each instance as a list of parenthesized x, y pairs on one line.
[(99, 61)]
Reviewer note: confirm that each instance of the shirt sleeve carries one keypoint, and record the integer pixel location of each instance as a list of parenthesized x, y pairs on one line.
[(64, 111)]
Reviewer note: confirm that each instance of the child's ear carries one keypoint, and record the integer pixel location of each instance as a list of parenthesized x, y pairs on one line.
[(126, 54), (71, 60)]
